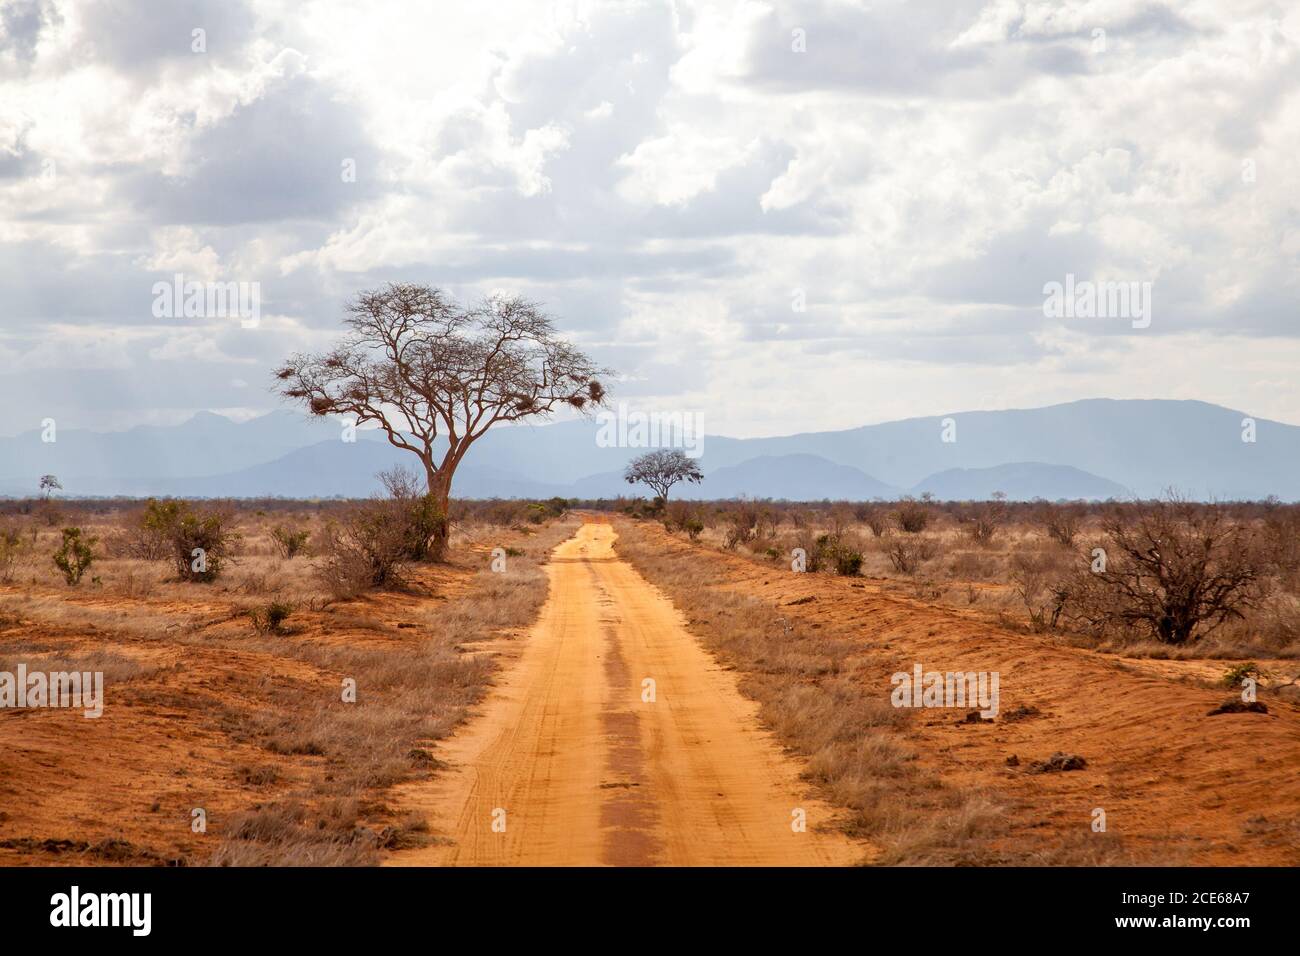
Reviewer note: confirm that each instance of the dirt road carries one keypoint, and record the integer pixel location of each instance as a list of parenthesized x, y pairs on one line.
[(614, 738)]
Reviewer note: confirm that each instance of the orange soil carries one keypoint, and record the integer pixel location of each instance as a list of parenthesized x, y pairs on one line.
[(1176, 784), (121, 788)]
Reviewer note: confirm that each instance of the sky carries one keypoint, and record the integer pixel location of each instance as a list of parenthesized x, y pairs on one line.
[(781, 217)]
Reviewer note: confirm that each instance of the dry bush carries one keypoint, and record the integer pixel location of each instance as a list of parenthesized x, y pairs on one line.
[(367, 548), (1173, 570), (874, 517), (912, 516), (742, 520), (14, 544), (1041, 582), (974, 566), (423, 524), (145, 536), (199, 542), (1061, 523), (290, 541), (683, 516), (982, 520), (907, 555)]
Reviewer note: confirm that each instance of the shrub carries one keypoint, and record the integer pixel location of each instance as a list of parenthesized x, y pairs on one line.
[(367, 549), (837, 551), (270, 618), (694, 528), (1041, 585), (983, 519), (1237, 673), (50, 513), (13, 545), (147, 536), (742, 523), (873, 518), (420, 520), (911, 516), (848, 562), (290, 542), (75, 555), (1061, 523), (199, 542), (907, 555)]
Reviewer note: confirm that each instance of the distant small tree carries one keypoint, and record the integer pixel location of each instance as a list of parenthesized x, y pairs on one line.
[(662, 469), (48, 508)]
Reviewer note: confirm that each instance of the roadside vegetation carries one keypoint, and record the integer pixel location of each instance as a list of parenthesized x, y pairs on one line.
[(1165, 578), (247, 658), (1208, 590)]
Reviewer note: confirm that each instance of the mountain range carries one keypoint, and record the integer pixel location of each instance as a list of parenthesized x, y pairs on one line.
[(1090, 449)]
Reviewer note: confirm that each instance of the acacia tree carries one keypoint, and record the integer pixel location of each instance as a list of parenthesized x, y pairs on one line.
[(435, 375), (662, 469)]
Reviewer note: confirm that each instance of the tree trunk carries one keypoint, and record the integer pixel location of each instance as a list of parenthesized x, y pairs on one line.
[(440, 492)]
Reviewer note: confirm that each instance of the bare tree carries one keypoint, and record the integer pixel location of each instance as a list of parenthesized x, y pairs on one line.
[(662, 469), (435, 376), (1174, 568)]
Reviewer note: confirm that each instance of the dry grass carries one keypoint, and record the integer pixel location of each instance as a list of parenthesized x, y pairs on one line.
[(307, 785), (961, 572), (816, 693)]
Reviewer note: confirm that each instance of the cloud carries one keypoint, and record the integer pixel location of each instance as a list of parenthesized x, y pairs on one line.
[(665, 177)]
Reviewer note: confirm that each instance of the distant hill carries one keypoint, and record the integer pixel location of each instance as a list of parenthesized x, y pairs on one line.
[(791, 477), (1092, 448), (1020, 481)]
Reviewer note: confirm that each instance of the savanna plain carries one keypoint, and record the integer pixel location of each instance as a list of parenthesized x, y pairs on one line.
[(634, 682)]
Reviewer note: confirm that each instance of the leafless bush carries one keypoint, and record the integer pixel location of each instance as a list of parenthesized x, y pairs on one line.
[(675, 515), (144, 538), (983, 519), (13, 544), (1061, 523), (367, 548), (1043, 583), (975, 566), (1173, 569), (742, 523), (907, 555), (912, 516), (874, 518)]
